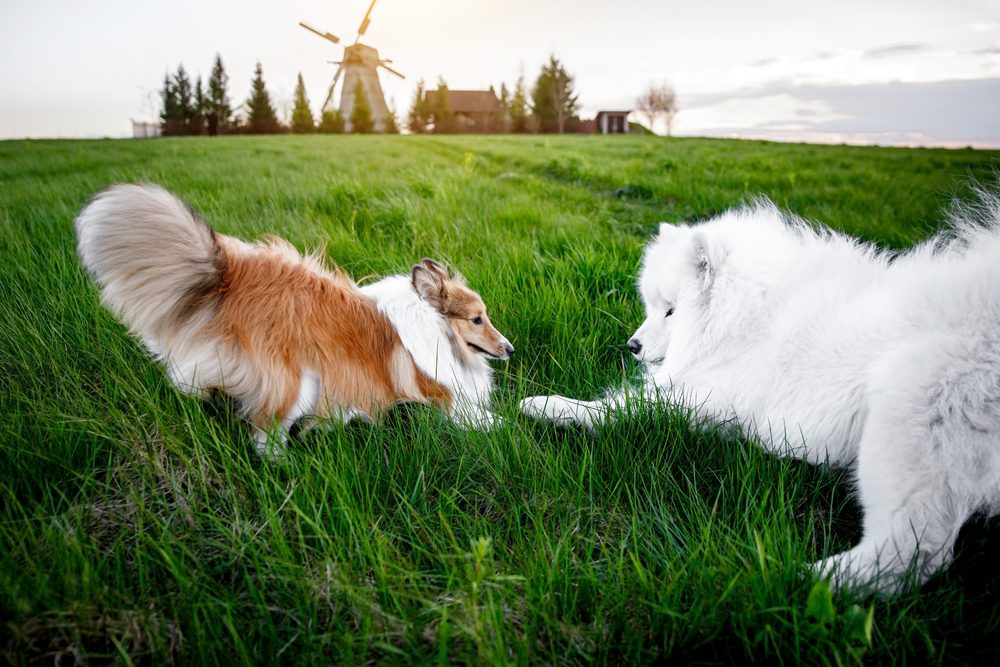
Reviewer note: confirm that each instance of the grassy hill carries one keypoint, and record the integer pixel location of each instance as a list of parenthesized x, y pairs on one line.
[(139, 524)]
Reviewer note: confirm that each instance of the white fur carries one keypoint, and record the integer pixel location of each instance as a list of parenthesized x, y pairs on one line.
[(828, 350), (423, 332), (142, 287)]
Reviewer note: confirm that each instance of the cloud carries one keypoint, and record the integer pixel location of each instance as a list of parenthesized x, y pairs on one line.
[(896, 50), (912, 62), (951, 112)]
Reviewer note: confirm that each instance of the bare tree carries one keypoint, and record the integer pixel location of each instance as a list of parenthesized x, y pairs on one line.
[(659, 100)]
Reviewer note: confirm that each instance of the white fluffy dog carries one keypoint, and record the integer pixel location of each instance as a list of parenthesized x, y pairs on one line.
[(826, 349)]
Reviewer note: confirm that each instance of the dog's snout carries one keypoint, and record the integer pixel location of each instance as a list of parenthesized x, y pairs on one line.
[(634, 346), (509, 349)]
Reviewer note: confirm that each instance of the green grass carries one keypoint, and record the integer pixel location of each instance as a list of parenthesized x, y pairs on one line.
[(137, 524)]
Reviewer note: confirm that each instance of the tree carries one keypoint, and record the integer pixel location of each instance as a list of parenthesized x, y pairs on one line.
[(171, 114), (197, 122), (553, 98), (218, 112), (302, 117), (185, 98), (361, 114), (444, 117), (417, 120), (180, 113), (261, 117), (391, 126), (518, 111), (504, 108), (331, 122), (656, 101), (670, 109)]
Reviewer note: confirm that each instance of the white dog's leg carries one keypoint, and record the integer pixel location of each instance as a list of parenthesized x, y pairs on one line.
[(915, 491), (899, 547), (565, 411)]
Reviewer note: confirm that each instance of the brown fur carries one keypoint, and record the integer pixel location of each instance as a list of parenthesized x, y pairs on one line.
[(202, 294), (286, 313)]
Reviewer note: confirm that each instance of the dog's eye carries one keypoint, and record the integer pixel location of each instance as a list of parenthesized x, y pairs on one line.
[(477, 320), (670, 311)]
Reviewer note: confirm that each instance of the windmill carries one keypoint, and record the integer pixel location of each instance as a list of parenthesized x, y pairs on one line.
[(360, 62)]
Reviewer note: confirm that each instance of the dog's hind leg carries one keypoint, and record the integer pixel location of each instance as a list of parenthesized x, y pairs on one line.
[(271, 443), (927, 461), (909, 532)]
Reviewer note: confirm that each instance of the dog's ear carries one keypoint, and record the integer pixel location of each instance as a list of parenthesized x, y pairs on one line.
[(670, 231), (428, 279), (445, 273), (666, 231), (436, 267), (704, 259)]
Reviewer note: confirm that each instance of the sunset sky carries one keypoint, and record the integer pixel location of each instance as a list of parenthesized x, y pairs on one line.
[(864, 71)]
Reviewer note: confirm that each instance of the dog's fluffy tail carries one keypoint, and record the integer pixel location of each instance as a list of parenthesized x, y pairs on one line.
[(157, 263)]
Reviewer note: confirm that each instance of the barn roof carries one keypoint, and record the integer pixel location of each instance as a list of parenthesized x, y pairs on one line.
[(467, 101)]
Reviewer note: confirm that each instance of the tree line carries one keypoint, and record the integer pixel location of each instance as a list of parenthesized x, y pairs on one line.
[(194, 109), (551, 106)]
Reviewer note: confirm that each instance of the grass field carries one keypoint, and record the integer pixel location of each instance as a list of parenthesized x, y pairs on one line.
[(138, 525)]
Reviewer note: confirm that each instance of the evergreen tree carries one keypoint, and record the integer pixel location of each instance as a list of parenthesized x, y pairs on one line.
[(185, 97), (185, 100), (218, 112), (444, 117), (553, 99), (518, 110), (504, 108), (361, 114), (197, 124), (171, 115), (417, 119), (391, 126), (261, 117), (302, 118), (331, 122)]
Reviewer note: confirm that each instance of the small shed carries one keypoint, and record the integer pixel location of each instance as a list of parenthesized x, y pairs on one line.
[(612, 122), (475, 110)]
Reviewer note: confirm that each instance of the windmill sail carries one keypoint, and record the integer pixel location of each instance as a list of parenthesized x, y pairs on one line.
[(359, 64)]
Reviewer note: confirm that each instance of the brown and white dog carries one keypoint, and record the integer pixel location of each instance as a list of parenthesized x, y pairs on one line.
[(281, 333)]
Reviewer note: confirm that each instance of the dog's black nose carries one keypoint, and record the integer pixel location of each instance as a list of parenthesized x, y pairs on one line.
[(509, 349), (634, 346)]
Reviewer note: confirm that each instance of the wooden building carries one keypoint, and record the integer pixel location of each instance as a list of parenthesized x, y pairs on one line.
[(611, 122), (475, 111)]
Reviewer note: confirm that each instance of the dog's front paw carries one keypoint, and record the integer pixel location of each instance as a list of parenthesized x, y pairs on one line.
[(536, 406), (559, 410), (485, 421)]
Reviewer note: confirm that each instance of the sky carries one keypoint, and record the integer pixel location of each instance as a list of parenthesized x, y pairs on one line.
[(892, 72)]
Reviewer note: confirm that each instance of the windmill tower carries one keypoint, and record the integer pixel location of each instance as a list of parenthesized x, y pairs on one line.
[(359, 63)]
